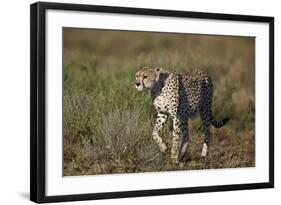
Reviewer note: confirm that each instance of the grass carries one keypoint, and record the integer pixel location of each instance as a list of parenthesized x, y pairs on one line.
[(108, 124)]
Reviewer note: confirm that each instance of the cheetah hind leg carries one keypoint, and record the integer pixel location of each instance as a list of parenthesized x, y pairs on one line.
[(206, 118), (206, 144), (204, 152), (184, 154)]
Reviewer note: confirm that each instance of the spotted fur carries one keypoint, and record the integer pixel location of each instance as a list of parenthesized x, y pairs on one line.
[(181, 97)]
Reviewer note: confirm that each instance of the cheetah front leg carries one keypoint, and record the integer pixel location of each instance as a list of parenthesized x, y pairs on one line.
[(160, 121), (176, 137)]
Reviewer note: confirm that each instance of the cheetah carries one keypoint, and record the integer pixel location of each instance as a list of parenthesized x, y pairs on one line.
[(181, 97)]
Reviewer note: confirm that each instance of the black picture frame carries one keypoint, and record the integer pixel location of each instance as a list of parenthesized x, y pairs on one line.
[(38, 101)]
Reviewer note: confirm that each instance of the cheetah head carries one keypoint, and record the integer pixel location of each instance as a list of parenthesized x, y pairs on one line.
[(147, 77)]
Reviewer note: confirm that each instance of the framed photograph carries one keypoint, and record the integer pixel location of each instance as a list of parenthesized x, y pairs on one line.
[(129, 102)]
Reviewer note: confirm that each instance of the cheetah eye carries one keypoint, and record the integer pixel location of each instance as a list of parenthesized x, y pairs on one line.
[(144, 77)]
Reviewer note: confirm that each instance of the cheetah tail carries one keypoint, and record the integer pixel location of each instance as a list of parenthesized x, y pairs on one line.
[(219, 124)]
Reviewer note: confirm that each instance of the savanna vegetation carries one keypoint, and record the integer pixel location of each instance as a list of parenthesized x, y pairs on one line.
[(108, 124)]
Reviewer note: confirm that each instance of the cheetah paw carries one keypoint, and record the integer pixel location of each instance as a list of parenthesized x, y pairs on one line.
[(174, 159), (163, 147)]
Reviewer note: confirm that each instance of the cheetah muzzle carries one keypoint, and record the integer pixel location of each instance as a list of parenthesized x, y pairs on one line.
[(181, 97)]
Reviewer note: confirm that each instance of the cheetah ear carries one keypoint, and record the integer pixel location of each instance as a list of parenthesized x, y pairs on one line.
[(159, 69)]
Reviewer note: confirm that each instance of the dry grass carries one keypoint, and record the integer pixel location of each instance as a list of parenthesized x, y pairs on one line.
[(108, 124)]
